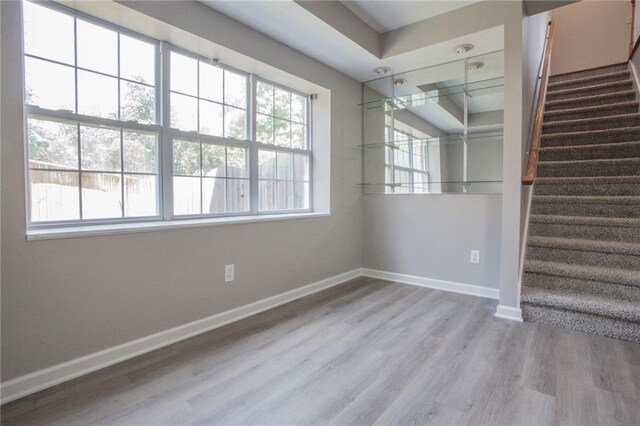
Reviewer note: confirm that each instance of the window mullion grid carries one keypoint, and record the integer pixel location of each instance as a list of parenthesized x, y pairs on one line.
[(166, 136), (77, 109), (253, 148)]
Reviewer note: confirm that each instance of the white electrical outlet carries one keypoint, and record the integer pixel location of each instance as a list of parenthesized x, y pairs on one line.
[(229, 273), (475, 256)]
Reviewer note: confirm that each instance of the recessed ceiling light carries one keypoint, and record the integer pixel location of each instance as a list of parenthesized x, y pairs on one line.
[(475, 66), (381, 70), (399, 82), (461, 49)]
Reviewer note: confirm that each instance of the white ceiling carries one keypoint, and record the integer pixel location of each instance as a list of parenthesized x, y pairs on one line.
[(385, 16), (293, 25)]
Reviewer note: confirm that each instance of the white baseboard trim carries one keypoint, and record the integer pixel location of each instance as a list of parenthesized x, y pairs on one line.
[(509, 313), (42, 379), (454, 287)]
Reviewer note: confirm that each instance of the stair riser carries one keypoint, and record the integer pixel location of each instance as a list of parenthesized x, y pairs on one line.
[(584, 103), (600, 288), (588, 189), (602, 233), (596, 80), (586, 209), (613, 111), (589, 323), (583, 126), (614, 168), (588, 73), (590, 138), (589, 91), (594, 152), (579, 257)]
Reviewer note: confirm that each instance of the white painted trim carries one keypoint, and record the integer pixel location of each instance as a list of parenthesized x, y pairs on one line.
[(509, 313), (454, 287), (42, 379), (136, 227)]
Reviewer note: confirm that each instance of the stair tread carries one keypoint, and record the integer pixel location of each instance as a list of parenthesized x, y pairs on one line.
[(584, 272), (632, 129), (590, 97), (590, 108), (592, 87), (617, 222), (593, 161), (587, 303), (591, 120), (588, 199), (589, 78), (612, 145), (579, 244)]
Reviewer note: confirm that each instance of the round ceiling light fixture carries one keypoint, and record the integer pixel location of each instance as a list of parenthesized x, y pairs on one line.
[(472, 66), (399, 82), (461, 49), (381, 70)]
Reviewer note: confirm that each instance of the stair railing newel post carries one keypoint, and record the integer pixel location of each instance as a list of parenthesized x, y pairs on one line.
[(532, 161)]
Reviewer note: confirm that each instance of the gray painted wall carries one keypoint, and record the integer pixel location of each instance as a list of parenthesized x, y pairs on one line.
[(590, 34), (430, 236), (66, 298)]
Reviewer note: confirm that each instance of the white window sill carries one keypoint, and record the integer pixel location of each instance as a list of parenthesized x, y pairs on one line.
[(131, 228)]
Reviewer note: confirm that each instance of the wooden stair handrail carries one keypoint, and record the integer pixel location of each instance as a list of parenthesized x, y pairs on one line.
[(633, 43), (532, 161)]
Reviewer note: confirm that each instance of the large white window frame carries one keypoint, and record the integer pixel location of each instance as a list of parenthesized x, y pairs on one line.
[(166, 135)]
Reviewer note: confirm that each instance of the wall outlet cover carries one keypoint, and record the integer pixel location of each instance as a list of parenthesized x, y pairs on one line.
[(475, 256), (229, 273)]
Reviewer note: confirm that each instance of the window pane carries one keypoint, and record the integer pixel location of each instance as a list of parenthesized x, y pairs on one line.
[(52, 145), (285, 196), (54, 196), (49, 85), (282, 133), (298, 108), (300, 195), (140, 152), (101, 195), (48, 33), (267, 165), (97, 48), (140, 195), (237, 195), (137, 60), (210, 82), (97, 95), (235, 89), (301, 168), (138, 102), (264, 129), (186, 195), (213, 157), (186, 158), (298, 136), (100, 149), (213, 195), (184, 112), (264, 98), (235, 123), (267, 194), (285, 166), (282, 107), (184, 74), (237, 162), (210, 118)]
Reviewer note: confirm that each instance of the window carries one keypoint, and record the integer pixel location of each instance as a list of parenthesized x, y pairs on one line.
[(284, 155), (406, 162), (238, 144)]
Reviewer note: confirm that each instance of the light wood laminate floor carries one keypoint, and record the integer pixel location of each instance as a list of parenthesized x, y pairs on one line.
[(366, 352)]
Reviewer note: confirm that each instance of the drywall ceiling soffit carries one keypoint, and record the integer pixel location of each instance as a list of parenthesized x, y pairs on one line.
[(533, 7), (333, 34), (385, 16)]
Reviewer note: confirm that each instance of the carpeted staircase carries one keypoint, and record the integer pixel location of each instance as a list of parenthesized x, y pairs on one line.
[(582, 267)]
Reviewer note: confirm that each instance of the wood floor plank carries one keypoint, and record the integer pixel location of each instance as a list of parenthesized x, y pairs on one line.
[(366, 352)]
